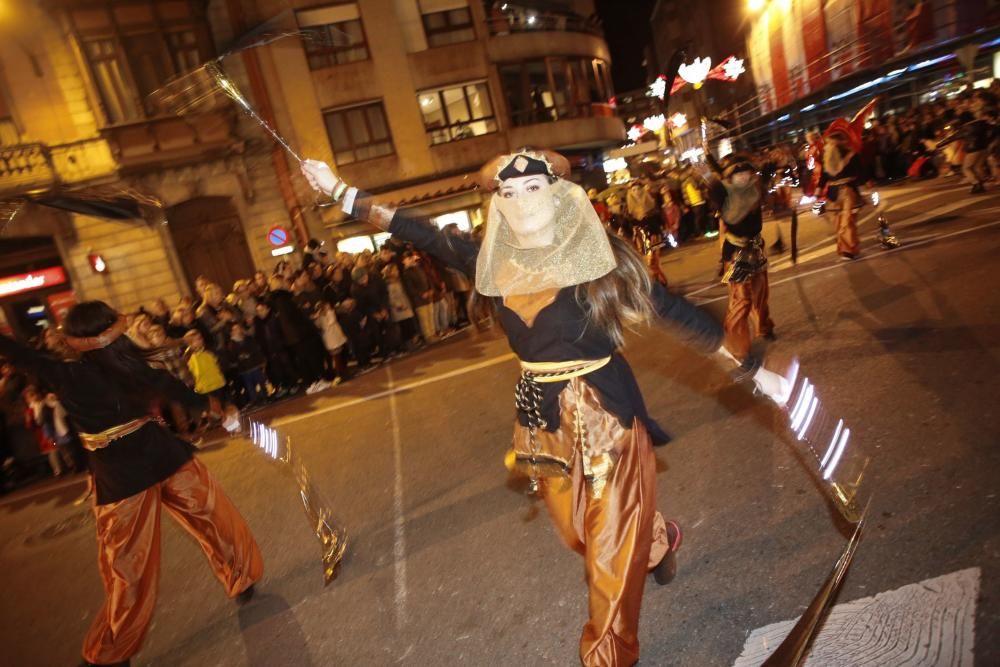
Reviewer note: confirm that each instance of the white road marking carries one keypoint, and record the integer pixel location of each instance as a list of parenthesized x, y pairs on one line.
[(291, 419), (829, 249), (864, 258), (927, 624), (399, 517)]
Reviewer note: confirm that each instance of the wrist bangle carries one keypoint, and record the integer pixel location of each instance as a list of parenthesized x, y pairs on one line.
[(338, 191)]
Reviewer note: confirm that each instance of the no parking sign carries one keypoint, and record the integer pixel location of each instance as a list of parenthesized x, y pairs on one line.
[(277, 236)]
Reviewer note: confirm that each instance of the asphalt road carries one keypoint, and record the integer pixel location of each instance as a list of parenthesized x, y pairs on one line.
[(451, 564)]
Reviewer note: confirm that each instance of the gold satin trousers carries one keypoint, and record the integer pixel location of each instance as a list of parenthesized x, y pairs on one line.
[(847, 223), (128, 553), (618, 532), (747, 298)]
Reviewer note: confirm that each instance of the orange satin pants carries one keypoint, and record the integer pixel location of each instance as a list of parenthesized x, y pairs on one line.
[(847, 223), (621, 537), (745, 299), (128, 553)]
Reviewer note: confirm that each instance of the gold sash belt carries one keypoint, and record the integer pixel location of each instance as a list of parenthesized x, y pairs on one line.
[(95, 441), (558, 371)]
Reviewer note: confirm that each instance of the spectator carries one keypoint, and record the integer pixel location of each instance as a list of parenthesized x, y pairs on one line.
[(399, 305), (303, 343), (38, 420), (205, 367), (270, 336), (249, 362), (333, 339), (421, 294)]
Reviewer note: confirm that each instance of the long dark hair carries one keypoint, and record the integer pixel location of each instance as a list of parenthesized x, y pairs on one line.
[(621, 299), (124, 363)]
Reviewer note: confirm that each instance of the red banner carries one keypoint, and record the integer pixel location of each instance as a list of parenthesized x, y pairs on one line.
[(814, 42), (25, 282), (874, 31), (779, 69)]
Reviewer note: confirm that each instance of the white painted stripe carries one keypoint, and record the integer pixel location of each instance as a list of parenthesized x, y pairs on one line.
[(291, 419), (399, 516), (927, 624), (902, 224), (865, 258)]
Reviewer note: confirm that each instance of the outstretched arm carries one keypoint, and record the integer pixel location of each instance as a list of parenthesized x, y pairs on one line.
[(704, 332), (455, 252)]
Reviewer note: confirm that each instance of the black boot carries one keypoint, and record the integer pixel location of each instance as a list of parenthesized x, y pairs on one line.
[(245, 596)]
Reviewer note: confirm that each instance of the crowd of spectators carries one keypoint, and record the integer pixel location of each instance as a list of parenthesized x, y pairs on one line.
[(296, 330)]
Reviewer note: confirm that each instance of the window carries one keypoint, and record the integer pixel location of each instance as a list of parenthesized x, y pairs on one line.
[(539, 91), (10, 135), (449, 27), (358, 133), (133, 49), (458, 112), (335, 35)]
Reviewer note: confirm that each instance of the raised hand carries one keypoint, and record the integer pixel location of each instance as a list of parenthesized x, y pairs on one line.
[(319, 175)]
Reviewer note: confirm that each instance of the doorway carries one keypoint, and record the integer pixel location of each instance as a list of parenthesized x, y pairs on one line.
[(210, 240)]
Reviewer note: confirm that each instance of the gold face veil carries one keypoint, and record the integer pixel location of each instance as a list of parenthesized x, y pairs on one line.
[(580, 250)]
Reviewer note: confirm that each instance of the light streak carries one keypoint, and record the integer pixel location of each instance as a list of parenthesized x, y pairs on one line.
[(833, 443), (837, 454)]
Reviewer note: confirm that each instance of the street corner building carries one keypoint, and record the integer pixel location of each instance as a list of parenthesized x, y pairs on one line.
[(405, 98)]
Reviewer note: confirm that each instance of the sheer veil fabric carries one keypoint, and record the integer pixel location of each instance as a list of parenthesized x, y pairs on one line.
[(580, 251)]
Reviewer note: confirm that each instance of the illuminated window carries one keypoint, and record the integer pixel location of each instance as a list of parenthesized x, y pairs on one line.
[(554, 88), (356, 245), (449, 27), (358, 133), (458, 112), (337, 35)]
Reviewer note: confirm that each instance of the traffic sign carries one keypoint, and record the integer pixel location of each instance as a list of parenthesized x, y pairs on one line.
[(277, 236)]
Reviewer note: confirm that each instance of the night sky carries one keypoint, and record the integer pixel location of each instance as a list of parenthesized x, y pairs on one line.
[(628, 32)]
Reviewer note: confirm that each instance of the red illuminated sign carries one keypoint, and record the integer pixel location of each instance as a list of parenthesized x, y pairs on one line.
[(26, 282)]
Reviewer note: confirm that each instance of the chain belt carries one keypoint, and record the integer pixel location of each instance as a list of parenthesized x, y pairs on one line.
[(528, 399), (95, 441)]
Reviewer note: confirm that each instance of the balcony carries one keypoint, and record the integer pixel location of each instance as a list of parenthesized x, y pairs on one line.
[(577, 127), (530, 35), (28, 167), (171, 140)]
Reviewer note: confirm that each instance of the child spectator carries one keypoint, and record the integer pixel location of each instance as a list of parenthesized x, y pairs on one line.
[(333, 339), (249, 362), (38, 420), (204, 367)]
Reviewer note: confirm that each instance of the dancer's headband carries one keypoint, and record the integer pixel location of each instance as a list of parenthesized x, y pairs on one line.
[(102, 339)]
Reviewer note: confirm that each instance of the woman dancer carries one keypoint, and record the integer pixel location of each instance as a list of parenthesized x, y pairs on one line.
[(565, 291), (138, 466)]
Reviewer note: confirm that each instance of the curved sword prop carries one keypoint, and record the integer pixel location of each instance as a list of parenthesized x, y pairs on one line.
[(331, 536)]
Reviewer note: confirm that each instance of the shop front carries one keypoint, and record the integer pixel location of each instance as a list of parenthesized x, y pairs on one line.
[(35, 288)]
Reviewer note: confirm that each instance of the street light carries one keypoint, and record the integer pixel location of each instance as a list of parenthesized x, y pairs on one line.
[(755, 6)]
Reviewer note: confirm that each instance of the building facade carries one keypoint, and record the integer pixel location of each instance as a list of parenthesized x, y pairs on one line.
[(405, 98)]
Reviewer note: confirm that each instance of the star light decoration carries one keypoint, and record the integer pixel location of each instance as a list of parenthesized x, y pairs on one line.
[(654, 123), (635, 132), (697, 73), (658, 88)]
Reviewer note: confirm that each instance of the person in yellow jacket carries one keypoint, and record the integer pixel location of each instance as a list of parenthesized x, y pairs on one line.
[(204, 366)]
